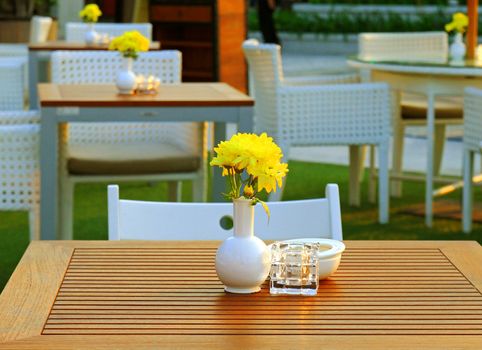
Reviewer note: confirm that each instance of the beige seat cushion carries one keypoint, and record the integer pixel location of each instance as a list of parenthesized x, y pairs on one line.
[(129, 159), (415, 107)]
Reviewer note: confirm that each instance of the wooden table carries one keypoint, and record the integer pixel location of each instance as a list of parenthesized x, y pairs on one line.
[(186, 102), (38, 52), (124, 294), (430, 80)]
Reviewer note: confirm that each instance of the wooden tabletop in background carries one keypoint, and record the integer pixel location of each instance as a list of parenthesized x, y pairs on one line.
[(183, 94), (73, 46), (125, 294)]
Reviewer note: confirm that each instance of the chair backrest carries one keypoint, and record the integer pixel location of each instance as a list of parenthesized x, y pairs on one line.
[(12, 84), (415, 47), (75, 32), (473, 119), (312, 218), (39, 29), (101, 67), (265, 74), (19, 166)]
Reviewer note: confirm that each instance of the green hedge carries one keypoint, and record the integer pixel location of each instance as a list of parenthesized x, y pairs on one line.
[(348, 23), (382, 2)]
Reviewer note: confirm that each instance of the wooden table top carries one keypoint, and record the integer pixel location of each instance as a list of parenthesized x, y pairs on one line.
[(175, 95), (74, 46), (124, 294)]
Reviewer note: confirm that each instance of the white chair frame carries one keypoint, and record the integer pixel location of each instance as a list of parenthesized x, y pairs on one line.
[(312, 218), (82, 67), (12, 84), (472, 145), (19, 165), (75, 32), (334, 112)]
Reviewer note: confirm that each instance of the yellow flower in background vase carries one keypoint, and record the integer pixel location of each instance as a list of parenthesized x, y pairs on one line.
[(460, 21), (90, 13)]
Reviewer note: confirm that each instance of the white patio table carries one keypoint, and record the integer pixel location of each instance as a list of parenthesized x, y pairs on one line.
[(430, 80), (185, 102)]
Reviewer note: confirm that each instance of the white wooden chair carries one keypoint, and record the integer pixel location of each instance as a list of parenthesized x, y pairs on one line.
[(429, 47), (472, 145), (93, 152), (330, 113), (19, 165), (312, 218), (75, 32)]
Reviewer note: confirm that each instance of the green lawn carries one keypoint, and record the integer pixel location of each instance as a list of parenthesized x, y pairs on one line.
[(305, 180)]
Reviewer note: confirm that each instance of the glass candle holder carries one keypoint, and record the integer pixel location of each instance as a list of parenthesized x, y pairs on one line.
[(294, 268)]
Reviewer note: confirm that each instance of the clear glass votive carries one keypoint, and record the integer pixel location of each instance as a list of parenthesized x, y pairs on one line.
[(294, 268)]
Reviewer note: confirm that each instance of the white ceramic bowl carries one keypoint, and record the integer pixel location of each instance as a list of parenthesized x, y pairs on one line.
[(329, 255)]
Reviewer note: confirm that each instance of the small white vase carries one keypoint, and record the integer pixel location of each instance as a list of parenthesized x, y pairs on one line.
[(91, 36), (126, 79), (243, 261), (457, 49)]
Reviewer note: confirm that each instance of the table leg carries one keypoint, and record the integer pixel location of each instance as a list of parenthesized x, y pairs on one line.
[(218, 183), (357, 160), (33, 79), (48, 174), (430, 145), (467, 193)]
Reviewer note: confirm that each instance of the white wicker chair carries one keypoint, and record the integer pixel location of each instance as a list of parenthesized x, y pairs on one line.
[(126, 151), (326, 114), (430, 47), (75, 32), (39, 31), (129, 219), (12, 84), (472, 145), (19, 165)]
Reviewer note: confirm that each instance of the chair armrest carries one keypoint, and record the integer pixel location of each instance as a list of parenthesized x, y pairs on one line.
[(322, 79), (19, 117)]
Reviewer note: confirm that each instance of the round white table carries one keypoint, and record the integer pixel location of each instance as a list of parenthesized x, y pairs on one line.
[(430, 80)]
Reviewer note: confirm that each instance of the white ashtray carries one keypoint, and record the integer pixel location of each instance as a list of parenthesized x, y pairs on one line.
[(329, 255)]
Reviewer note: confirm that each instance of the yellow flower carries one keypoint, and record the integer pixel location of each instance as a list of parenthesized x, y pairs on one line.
[(248, 191), (90, 13), (258, 156), (130, 44), (459, 22)]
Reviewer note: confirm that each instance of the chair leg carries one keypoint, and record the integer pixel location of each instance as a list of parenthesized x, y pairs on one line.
[(66, 209), (397, 156), (34, 222), (372, 190), (357, 157), (200, 188), (174, 191), (438, 148), (383, 179), (467, 192)]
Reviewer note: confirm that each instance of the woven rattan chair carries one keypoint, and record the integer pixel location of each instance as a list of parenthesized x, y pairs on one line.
[(429, 47), (19, 165), (472, 145), (75, 32), (130, 219), (324, 114), (12, 84), (126, 151)]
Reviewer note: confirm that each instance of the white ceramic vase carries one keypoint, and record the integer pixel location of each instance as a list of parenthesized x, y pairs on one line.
[(126, 79), (457, 48), (243, 261), (91, 36)]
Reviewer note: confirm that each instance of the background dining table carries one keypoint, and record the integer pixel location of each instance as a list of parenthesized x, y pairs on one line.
[(165, 294), (430, 79)]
